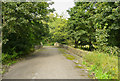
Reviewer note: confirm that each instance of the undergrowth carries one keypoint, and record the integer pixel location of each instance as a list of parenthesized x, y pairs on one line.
[(101, 65), (8, 60)]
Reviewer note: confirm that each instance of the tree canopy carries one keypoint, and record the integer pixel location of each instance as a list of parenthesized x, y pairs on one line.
[(58, 28), (24, 25), (95, 24)]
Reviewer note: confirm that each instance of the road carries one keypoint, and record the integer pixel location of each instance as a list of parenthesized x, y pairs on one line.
[(47, 63)]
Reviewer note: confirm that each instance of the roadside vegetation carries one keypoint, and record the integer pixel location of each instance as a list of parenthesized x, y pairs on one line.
[(97, 30), (24, 27), (99, 65), (93, 27)]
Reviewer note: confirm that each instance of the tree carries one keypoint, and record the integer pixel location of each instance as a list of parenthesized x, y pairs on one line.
[(80, 24), (58, 26), (107, 22), (24, 25), (95, 24)]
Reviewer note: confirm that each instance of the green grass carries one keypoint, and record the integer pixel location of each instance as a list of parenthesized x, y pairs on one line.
[(81, 67), (119, 68), (63, 51), (70, 57), (102, 65), (99, 65)]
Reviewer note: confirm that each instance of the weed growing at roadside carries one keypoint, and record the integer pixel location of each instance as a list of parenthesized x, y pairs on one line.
[(102, 66)]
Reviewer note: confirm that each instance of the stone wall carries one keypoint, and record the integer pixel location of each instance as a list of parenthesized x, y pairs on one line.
[(71, 49), (76, 51)]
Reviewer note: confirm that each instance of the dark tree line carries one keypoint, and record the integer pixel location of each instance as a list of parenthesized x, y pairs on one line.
[(24, 26), (96, 25)]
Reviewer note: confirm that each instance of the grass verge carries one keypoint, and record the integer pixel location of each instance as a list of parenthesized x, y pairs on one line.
[(99, 65)]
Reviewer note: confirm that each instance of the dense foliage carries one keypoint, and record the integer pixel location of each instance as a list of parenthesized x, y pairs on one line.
[(91, 25), (96, 25), (24, 26), (58, 28)]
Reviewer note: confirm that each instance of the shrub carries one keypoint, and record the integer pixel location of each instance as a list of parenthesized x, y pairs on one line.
[(110, 50)]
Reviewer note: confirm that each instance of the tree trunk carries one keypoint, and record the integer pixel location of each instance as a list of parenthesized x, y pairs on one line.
[(76, 44), (90, 45)]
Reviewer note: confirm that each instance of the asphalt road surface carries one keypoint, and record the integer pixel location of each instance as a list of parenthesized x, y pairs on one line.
[(46, 63)]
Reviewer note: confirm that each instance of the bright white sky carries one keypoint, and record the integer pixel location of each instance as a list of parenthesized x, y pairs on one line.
[(62, 5)]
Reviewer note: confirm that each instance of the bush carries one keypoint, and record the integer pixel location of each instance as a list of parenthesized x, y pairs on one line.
[(6, 58), (110, 50), (10, 58)]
